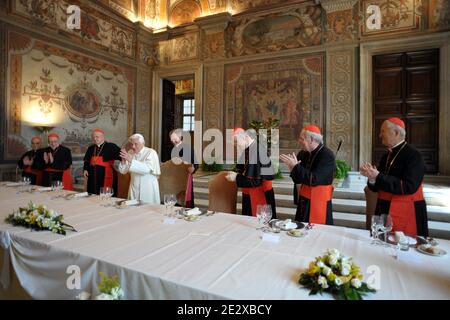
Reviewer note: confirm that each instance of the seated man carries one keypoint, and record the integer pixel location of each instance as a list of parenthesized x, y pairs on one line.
[(143, 165)]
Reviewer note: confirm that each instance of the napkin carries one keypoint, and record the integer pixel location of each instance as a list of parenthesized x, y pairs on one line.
[(126, 203), (41, 189), (193, 212), (77, 195), (14, 184)]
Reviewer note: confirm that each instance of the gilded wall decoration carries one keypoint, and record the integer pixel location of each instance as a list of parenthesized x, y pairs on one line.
[(242, 5), (341, 103), (184, 48), (94, 29), (216, 6), (184, 86), (287, 89), (185, 12), (152, 12), (274, 32), (60, 88), (396, 15), (439, 14), (149, 54), (340, 26), (214, 46)]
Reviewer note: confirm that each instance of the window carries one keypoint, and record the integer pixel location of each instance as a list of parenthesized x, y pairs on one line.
[(188, 114)]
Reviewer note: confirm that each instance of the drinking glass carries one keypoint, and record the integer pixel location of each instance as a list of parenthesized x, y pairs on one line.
[(169, 201), (385, 226), (58, 187), (376, 221)]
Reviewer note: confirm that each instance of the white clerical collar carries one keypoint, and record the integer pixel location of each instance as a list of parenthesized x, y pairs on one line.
[(391, 148)]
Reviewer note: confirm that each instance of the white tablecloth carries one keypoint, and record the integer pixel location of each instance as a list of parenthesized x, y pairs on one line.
[(219, 257)]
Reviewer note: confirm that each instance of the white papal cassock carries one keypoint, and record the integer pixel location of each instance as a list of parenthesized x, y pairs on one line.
[(144, 170)]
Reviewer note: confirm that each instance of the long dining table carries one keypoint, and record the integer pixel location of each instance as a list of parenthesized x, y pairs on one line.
[(221, 256)]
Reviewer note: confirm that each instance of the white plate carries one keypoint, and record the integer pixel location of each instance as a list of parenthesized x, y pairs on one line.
[(439, 252), (411, 241), (296, 233), (295, 225)]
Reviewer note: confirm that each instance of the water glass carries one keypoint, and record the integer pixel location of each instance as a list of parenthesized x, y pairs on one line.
[(58, 187), (169, 201), (375, 223)]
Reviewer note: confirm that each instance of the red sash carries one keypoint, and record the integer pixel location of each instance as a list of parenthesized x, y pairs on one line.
[(109, 174), (402, 210), (37, 173), (189, 189), (318, 197), (66, 178), (257, 194)]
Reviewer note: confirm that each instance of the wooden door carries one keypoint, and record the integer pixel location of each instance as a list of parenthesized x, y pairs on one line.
[(406, 85)]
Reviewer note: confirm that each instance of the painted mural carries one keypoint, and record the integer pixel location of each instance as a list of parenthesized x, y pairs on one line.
[(290, 90), (397, 15), (242, 5), (274, 32), (66, 91), (439, 14), (340, 26), (184, 12), (94, 28), (184, 48)]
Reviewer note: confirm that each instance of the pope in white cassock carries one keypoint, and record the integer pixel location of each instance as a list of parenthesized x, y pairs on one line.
[(143, 165)]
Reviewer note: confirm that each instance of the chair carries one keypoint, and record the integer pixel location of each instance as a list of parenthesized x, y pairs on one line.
[(123, 184), (371, 204), (173, 180), (222, 194)]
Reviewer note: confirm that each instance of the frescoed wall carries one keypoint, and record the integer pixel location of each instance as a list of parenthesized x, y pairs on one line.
[(64, 90)]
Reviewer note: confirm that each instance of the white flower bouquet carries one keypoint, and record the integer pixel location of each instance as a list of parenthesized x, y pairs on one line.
[(336, 274), (109, 288), (38, 217)]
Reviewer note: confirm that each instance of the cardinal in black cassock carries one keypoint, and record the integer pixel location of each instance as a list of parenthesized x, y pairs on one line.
[(398, 181), (186, 153), (313, 168), (56, 161), (254, 174), (29, 162), (98, 166)]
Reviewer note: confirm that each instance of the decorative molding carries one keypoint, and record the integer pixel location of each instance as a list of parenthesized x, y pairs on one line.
[(337, 5), (341, 117), (143, 102), (213, 111), (214, 23)]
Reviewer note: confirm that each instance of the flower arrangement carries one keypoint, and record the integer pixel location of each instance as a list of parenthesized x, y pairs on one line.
[(336, 274), (109, 288), (38, 217)]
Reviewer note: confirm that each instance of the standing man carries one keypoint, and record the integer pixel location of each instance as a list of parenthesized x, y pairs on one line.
[(143, 165), (99, 162), (313, 168), (398, 181), (57, 161), (29, 162), (186, 153), (253, 175)]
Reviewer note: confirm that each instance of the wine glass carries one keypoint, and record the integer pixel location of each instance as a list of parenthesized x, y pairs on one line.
[(57, 186), (102, 195), (106, 193), (376, 221), (385, 226), (169, 200), (268, 216), (260, 216)]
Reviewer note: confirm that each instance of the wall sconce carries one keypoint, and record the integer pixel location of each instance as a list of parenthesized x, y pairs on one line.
[(45, 130)]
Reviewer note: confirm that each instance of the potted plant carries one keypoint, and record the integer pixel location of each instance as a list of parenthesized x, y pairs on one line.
[(342, 169)]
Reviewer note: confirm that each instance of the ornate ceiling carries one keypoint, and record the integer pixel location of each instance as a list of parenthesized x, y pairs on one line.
[(161, 13)]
